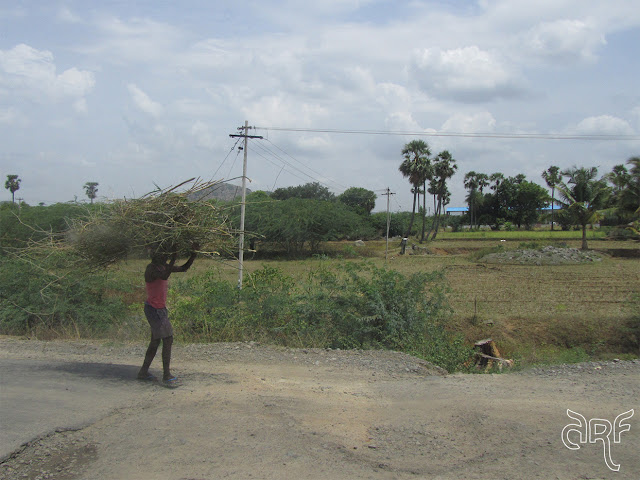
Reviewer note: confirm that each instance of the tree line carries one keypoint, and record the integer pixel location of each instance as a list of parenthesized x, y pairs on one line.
[(300, 218)]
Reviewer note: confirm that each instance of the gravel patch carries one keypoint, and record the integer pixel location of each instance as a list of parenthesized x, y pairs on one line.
[(548, 255)]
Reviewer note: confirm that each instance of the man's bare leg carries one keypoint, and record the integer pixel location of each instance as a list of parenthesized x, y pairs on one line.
[(167, 342), (148, 358)]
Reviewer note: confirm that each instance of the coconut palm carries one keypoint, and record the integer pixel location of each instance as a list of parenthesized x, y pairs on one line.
[(416, 166), (583, 195)]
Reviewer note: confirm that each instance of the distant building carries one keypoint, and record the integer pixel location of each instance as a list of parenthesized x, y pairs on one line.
[(457, 211)]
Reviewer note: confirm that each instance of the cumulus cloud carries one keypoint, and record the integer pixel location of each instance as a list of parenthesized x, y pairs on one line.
[(203, 135), (143, 102), (603, 125), (481, 122), (30, 72), (467, 74), (67, 16), (279, 110), (137, 40), (564, 41)]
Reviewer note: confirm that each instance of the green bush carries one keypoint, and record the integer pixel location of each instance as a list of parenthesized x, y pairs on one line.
[(44, 297), (18, 226), (355, 306), (298, 224)]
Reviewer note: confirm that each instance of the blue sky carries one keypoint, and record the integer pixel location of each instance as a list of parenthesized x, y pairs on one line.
[(132, 94)]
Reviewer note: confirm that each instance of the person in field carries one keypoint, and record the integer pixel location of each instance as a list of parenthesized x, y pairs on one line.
[(156, 277)]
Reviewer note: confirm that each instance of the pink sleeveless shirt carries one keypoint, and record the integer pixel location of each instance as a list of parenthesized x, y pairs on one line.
[(157, 293)]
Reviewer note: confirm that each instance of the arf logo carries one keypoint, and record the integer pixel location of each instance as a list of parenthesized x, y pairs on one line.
[(596, 429)]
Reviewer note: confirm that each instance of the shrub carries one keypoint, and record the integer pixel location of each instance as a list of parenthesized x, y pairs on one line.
[(356, 306), (49, 297)]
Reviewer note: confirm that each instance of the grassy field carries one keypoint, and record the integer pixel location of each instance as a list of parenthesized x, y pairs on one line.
[(536, 314)]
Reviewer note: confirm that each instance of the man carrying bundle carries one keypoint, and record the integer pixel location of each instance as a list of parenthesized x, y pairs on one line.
[(156, 278)]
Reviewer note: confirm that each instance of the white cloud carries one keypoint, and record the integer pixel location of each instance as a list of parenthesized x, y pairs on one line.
[(203, 135), (603, 125), (467, 74), (635, 113), (136, 40), (481, 122), (80, 105), (30, 72), (564, 41), (143, 102), (282, 110), (402, 121), (67, 16)]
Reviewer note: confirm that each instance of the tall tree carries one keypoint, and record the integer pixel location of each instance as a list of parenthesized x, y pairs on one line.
[(552, 176), (583, 194), (308, 190), (628, 199), (13, 185), (91, 189), (444, 167), (475, 183), (360, 199), (416, 166)]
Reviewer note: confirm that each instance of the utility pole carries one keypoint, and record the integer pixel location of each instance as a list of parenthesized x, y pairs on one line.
[(388, 195), (246, 136)]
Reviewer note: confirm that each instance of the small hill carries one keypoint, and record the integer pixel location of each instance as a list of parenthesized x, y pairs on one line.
[(221, 191)]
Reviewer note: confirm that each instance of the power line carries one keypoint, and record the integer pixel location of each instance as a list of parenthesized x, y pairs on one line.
[(304, 165), (519, 136), (290, 165), (225, 159), (275, 164)]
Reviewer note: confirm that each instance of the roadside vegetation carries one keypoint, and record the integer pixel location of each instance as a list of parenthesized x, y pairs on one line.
[(318, 274)]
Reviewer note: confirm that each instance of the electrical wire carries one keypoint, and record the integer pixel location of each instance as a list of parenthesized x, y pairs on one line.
[(225, 159), (291, 166), (274, 163), (304, 165), (519, 136), (234, 162)]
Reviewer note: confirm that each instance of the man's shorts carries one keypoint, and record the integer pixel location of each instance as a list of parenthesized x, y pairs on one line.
[(158, 319)]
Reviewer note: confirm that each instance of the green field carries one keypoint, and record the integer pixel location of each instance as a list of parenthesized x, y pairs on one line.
[(536, 314)]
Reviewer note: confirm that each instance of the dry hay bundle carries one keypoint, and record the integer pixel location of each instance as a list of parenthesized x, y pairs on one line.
[(163, 221)]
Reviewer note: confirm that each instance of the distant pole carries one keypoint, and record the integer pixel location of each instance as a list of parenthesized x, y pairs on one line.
[(243, 204), (388, 195), (246, 136)]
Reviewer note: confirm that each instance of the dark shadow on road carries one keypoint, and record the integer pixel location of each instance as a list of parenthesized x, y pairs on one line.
[(100, 371)]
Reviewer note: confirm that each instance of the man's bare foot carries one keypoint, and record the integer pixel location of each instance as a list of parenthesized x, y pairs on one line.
[(171, 382)]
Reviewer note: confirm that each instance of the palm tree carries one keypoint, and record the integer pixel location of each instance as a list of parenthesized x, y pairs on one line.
[(444, 168), (629, 196), (91, 188), (475, 183), (497, 179), (13, 185), (416, 166), (552, 176), (583, 195)]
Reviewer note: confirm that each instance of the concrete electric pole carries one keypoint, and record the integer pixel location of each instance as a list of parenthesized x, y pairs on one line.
[(246, 137)]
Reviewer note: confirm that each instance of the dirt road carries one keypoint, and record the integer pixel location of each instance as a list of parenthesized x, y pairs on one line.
[(249, 411)]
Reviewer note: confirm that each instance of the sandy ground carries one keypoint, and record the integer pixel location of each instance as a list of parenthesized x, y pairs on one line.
[(249, 411)]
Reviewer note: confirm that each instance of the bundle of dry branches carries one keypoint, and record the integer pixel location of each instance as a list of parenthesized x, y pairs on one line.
[(163, 221)]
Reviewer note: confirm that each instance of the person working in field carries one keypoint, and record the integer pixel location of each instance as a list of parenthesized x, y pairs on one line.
[(156, 278)]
